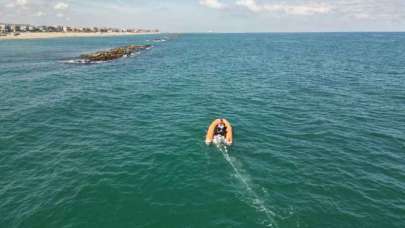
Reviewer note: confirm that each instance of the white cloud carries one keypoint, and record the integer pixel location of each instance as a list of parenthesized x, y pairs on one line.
[(61, 6), (60, 15), (10, 5), (372, 10), (216, 4), (362, 16), (304, 9), (16, 3), (291, 9), (250, 4), (21, 2), (39, 14)]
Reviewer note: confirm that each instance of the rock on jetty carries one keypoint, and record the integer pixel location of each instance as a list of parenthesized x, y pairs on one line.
[(114, 53)]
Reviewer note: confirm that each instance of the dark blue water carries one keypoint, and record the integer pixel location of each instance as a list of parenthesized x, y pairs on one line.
[(319, 125)]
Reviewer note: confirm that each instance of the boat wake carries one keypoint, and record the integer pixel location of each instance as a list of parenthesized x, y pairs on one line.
[(255, 199)]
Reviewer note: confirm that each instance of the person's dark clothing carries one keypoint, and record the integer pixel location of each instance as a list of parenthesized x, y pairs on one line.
[(220, 130)]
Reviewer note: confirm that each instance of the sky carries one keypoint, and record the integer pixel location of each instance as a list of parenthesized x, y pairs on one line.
[(213, 15)]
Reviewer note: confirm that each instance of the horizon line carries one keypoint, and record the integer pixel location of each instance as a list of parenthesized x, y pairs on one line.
[(366, 31)]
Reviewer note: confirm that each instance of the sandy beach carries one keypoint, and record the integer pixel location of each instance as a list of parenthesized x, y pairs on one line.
[(48, 35)]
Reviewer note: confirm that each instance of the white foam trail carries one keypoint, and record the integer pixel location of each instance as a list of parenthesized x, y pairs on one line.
[(257, 201)]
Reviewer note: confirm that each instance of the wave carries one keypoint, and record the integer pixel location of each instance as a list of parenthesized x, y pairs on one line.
[(82, 61)]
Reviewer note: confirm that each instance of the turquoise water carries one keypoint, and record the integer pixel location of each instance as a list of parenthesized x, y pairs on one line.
[(319, 124)]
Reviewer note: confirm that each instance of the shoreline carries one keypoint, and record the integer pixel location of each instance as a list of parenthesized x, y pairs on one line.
[(50, 35)]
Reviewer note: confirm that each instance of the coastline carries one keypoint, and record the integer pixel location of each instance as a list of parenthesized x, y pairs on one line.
[(50, 35)]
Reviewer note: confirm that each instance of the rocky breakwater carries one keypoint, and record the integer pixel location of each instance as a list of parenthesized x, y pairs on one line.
[(114, 53)]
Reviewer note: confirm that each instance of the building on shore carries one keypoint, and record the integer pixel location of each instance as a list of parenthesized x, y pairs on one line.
[(3, 28), (22, 28), (12, 28), (17, 28)]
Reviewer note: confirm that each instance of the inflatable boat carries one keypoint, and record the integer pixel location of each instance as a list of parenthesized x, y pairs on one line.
[(212, 137)]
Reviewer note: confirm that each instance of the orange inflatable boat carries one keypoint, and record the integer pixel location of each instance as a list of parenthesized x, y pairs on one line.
[(211, 132)]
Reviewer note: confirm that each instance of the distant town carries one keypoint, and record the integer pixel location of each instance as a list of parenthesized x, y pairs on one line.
[(16, 29)]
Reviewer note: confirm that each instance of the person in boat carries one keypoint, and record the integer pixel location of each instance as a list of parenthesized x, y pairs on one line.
[(220, 129)]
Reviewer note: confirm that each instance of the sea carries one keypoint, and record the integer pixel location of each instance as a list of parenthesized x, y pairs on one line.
[(318, 120)]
